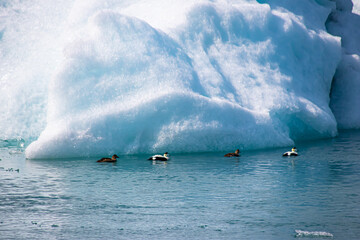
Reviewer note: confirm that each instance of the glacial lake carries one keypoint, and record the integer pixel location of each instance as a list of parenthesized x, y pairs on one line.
[(260, 195)]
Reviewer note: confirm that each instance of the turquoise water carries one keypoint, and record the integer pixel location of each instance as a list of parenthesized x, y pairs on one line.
[(260, 195)]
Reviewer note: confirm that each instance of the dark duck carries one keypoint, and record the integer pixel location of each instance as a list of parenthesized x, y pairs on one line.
[(112, 159), (234, 154)]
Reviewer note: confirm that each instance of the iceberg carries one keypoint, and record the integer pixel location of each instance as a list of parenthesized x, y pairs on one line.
[(135, 77), (345, 94)]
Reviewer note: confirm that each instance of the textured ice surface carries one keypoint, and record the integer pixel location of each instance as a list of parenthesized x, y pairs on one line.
[(179, 76)]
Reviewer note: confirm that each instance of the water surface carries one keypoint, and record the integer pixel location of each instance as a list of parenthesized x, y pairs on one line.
[(260, 195)]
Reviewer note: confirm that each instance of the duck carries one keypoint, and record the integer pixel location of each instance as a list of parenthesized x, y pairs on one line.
[(291, 153), (112, 159), (164, 157), (234, 154)]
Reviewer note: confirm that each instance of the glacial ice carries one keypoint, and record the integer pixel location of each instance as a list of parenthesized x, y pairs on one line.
[(135, 77), (346, 85)]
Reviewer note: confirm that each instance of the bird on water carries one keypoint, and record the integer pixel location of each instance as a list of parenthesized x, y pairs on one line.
[(112, 159)]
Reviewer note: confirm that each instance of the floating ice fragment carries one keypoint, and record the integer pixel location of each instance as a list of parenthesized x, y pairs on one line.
[(300, 233)]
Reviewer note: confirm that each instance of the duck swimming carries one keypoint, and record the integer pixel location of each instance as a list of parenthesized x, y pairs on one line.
[(112, 159), (291, 153), (164, 157), (235, 154)]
